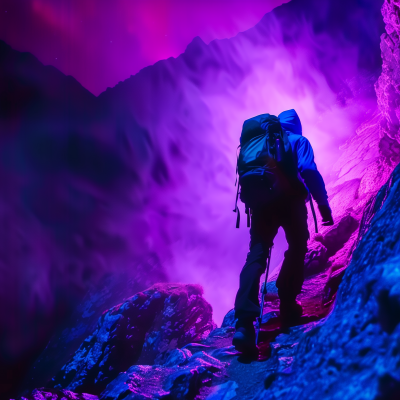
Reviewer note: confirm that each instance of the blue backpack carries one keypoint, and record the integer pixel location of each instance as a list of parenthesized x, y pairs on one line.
[(265, 165)]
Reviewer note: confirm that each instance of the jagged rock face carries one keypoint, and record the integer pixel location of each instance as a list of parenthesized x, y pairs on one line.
[(387, 87), (178, 379), (355, 354), (110, 291), (143, 327), (367, 161), (55, 394)]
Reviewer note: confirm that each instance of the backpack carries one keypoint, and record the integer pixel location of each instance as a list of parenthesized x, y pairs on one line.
[(265, 165)]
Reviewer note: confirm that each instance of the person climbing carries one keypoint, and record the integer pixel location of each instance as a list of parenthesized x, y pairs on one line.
[(277, 173)]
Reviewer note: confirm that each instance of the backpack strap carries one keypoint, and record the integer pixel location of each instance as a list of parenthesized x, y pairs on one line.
[(248, 216), (236, 209), (313, 213)]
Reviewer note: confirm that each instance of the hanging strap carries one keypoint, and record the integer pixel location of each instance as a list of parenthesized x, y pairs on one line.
[(263, 293), (236, 209), (248, 211), (313, 213)]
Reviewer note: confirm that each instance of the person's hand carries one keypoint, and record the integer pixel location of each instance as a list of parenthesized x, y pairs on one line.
[(326, 214)]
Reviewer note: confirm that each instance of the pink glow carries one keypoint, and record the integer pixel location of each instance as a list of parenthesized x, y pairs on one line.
[(101, 43)]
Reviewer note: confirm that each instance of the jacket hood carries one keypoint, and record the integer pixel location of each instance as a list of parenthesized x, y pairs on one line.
[(290, 121)]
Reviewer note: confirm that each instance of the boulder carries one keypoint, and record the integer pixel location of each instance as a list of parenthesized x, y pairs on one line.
[(144, 326), (169, 381), (56, 394)]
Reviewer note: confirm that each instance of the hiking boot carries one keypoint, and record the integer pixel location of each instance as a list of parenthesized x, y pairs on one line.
[(290, 313), (244, 338)]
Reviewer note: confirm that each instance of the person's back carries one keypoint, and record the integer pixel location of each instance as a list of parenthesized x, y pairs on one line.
[(286, 209)]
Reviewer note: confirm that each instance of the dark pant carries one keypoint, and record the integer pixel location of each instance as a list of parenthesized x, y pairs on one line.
[(291, 214)]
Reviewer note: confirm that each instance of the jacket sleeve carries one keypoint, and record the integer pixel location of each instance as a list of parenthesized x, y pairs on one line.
[(309, 172)]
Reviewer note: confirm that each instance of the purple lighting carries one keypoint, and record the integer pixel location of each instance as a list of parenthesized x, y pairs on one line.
[(140, 180)]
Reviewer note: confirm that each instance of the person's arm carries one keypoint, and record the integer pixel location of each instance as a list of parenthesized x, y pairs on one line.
[(313, 179)]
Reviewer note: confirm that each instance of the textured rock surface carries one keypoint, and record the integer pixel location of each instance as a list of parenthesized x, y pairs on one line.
[(355, 353), (143, 327), (367, 160), (110, 291), (387, 87), (178, 381), (55, 394), (206, 368)]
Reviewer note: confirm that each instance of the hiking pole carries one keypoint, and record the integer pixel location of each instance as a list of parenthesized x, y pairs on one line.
[(263, 293), (313, 213)]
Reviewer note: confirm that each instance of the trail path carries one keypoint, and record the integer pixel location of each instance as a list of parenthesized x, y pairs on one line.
[(277, 349)]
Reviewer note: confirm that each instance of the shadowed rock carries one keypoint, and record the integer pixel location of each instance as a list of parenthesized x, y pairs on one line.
[(152, 322), (55, 394), (181, 381), (356, 350)]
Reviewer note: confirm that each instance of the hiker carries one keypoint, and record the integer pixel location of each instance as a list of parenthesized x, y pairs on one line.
[(276, 173)]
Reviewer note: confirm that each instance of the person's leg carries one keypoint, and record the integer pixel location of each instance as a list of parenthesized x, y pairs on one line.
[(247, 308), (291, 276), (264, 227)]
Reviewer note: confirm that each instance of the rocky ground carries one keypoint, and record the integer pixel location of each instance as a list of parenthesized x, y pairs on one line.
[(161, 343)]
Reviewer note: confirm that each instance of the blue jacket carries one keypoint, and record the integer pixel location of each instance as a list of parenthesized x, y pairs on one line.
[(304, 154)]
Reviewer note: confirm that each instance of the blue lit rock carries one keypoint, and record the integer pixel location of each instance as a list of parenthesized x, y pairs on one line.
[(355, 352), (143, 327)]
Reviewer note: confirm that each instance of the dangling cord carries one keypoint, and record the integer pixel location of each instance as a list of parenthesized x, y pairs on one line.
[(313, 213), (248, 211), (237, 164), (263, 293), (236, 209)]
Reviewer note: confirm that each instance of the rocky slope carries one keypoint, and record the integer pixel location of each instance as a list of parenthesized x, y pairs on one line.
[(161, 343)]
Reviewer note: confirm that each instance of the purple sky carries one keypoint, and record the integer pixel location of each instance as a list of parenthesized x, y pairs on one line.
[(102, 42)]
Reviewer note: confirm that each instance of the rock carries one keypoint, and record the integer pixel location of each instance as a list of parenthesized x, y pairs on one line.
[(186, 317), (355, 351), (55, 394), (225, 352), (336, 239), (389, 387), (226, 391), (387, 87), (111, 290), (332, 285), (388, 297), (339, 234), (138, 382), (229, 319), (145, 326), (315, 259), (173, 357), (172, 382)]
